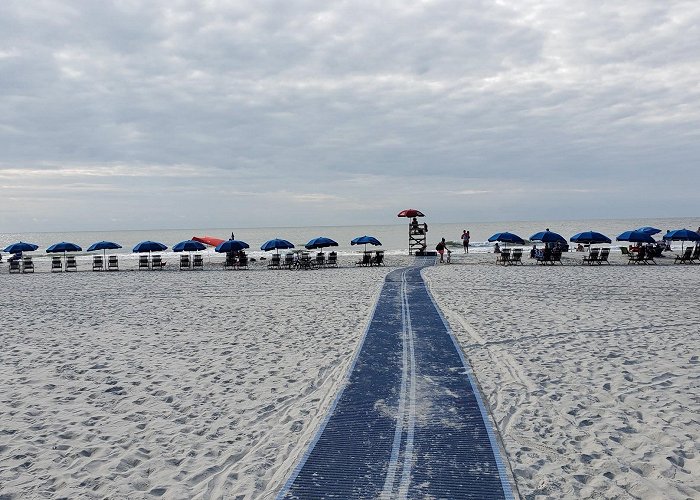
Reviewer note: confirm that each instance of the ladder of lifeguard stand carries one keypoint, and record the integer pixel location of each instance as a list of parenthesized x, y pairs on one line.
[(417, 239)]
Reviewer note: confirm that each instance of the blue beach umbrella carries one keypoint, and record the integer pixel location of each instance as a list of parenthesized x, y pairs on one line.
[(636, 237), (548, 237), (63, 247), (648, 230), (590, 238), (189, 246), (366, 240), (149, 246), (104, 246), (682, 235), (231, 246), (507, 237), (276, 244), (320, 242), (20, 247)]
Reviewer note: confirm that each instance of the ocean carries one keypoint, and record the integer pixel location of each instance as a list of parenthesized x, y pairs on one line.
[(394, 237)]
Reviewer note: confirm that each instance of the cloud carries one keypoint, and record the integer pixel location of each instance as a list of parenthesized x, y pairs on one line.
[(322, 103)]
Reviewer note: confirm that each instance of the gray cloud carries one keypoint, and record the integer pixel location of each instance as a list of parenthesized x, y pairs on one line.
[(320, 113)]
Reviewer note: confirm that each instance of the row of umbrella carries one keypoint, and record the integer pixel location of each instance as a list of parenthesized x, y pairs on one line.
[(187, 245), (641, 235)]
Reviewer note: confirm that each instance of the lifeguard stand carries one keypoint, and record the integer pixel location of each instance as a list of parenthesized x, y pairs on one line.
[(417, 232), (417, 238)]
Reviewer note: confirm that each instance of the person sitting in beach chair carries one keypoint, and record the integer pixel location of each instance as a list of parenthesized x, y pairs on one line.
[(544, 257), (592, 257), (184, 261), (332, 260), (197, 261), (366, 260), (56, 264), (637, 257), (71, 263), (97, 263), (113, 263)]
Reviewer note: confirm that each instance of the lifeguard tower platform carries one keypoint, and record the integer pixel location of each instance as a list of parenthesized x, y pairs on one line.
[(417, 232)]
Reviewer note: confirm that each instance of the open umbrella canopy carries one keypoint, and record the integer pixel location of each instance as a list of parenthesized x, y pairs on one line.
[(189, 246), (320, 242), (231, 246), (149, 246), (548, 237), (590, 238), (104, 245), (19, 247), (648, 230), (365, 240), (63, 246), (636, 237), (411, 212), (682, 235), (276, 244), (507, 237)]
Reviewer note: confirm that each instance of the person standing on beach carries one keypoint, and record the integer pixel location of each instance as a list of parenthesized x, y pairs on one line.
[(440, 247), (465, 240)]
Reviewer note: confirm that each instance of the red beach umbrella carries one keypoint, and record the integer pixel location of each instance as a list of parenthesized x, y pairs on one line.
[(411, 212)]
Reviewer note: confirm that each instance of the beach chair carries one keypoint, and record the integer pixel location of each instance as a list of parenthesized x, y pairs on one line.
[(242, 262), (332, 260), (157, 262), (14, 266), (184, 262), (304, 261), (71, 263), (603, 257), (288, 260), (378, 259), (143, 262), (275, 262), (592, 257), (231, 261), (556, 257), (27, 264), (625, 251), (504, 257), (516, 257), (544, 257), (197, 262), (112, 263), (320, 259), (684, 258), (56, 264), (97, 263), (366, 259), (696, 254)]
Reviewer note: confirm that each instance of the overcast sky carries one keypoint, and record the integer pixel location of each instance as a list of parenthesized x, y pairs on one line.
[(174, 114)]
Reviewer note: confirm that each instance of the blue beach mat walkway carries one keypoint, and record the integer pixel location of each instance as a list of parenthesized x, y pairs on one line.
[(408, 424)]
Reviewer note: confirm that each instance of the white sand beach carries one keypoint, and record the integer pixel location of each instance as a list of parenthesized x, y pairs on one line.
[(210, 384), (592, 373), (174, 384)]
